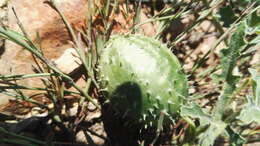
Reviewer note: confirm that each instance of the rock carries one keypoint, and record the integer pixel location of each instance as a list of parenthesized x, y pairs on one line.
[(68, 61), (37, 16), (3, 20)]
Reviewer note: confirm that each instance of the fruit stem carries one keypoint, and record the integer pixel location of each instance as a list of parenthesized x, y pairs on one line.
[(159, 127)]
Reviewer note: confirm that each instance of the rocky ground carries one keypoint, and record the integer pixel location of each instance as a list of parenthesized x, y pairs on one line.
[(38, 17), (3, 22)]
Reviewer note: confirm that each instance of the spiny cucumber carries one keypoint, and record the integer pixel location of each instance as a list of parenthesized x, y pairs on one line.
[(141, 79)]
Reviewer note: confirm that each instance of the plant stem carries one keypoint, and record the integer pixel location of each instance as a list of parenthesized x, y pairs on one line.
[(8, 34), (79, 50), (25, 76), (2, 130)]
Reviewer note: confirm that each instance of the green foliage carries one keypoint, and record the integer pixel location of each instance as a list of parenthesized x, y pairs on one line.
[(254, 20), (229, 59), (214, 127), (253, 24), (227, 15), (256, 86), (144, 82), (235, 138), (230, 55), (217, 123), (196, 112), (208, 137), (251, 112), (19, 140)]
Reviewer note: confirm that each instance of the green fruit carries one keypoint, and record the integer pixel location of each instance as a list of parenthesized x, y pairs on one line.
[(141, 78)]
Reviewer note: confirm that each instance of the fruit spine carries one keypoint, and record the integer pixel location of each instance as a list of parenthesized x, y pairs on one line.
[(141, 78)]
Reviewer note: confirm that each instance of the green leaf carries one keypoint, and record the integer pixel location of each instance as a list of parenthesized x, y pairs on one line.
[(208, 137), (230, 55), (18, 39), (229, 59), (254, 20), (249, 114), (4, 32), (253, 23), (195, 111), (227, 15), (215, 128), (256, 85), (234, 138)]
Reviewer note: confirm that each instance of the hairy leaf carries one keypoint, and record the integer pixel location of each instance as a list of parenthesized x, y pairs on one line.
[(195, 111), (256, 85), (209, 136), (249, 114), (229, 59), (251, 111), (230, 55)]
